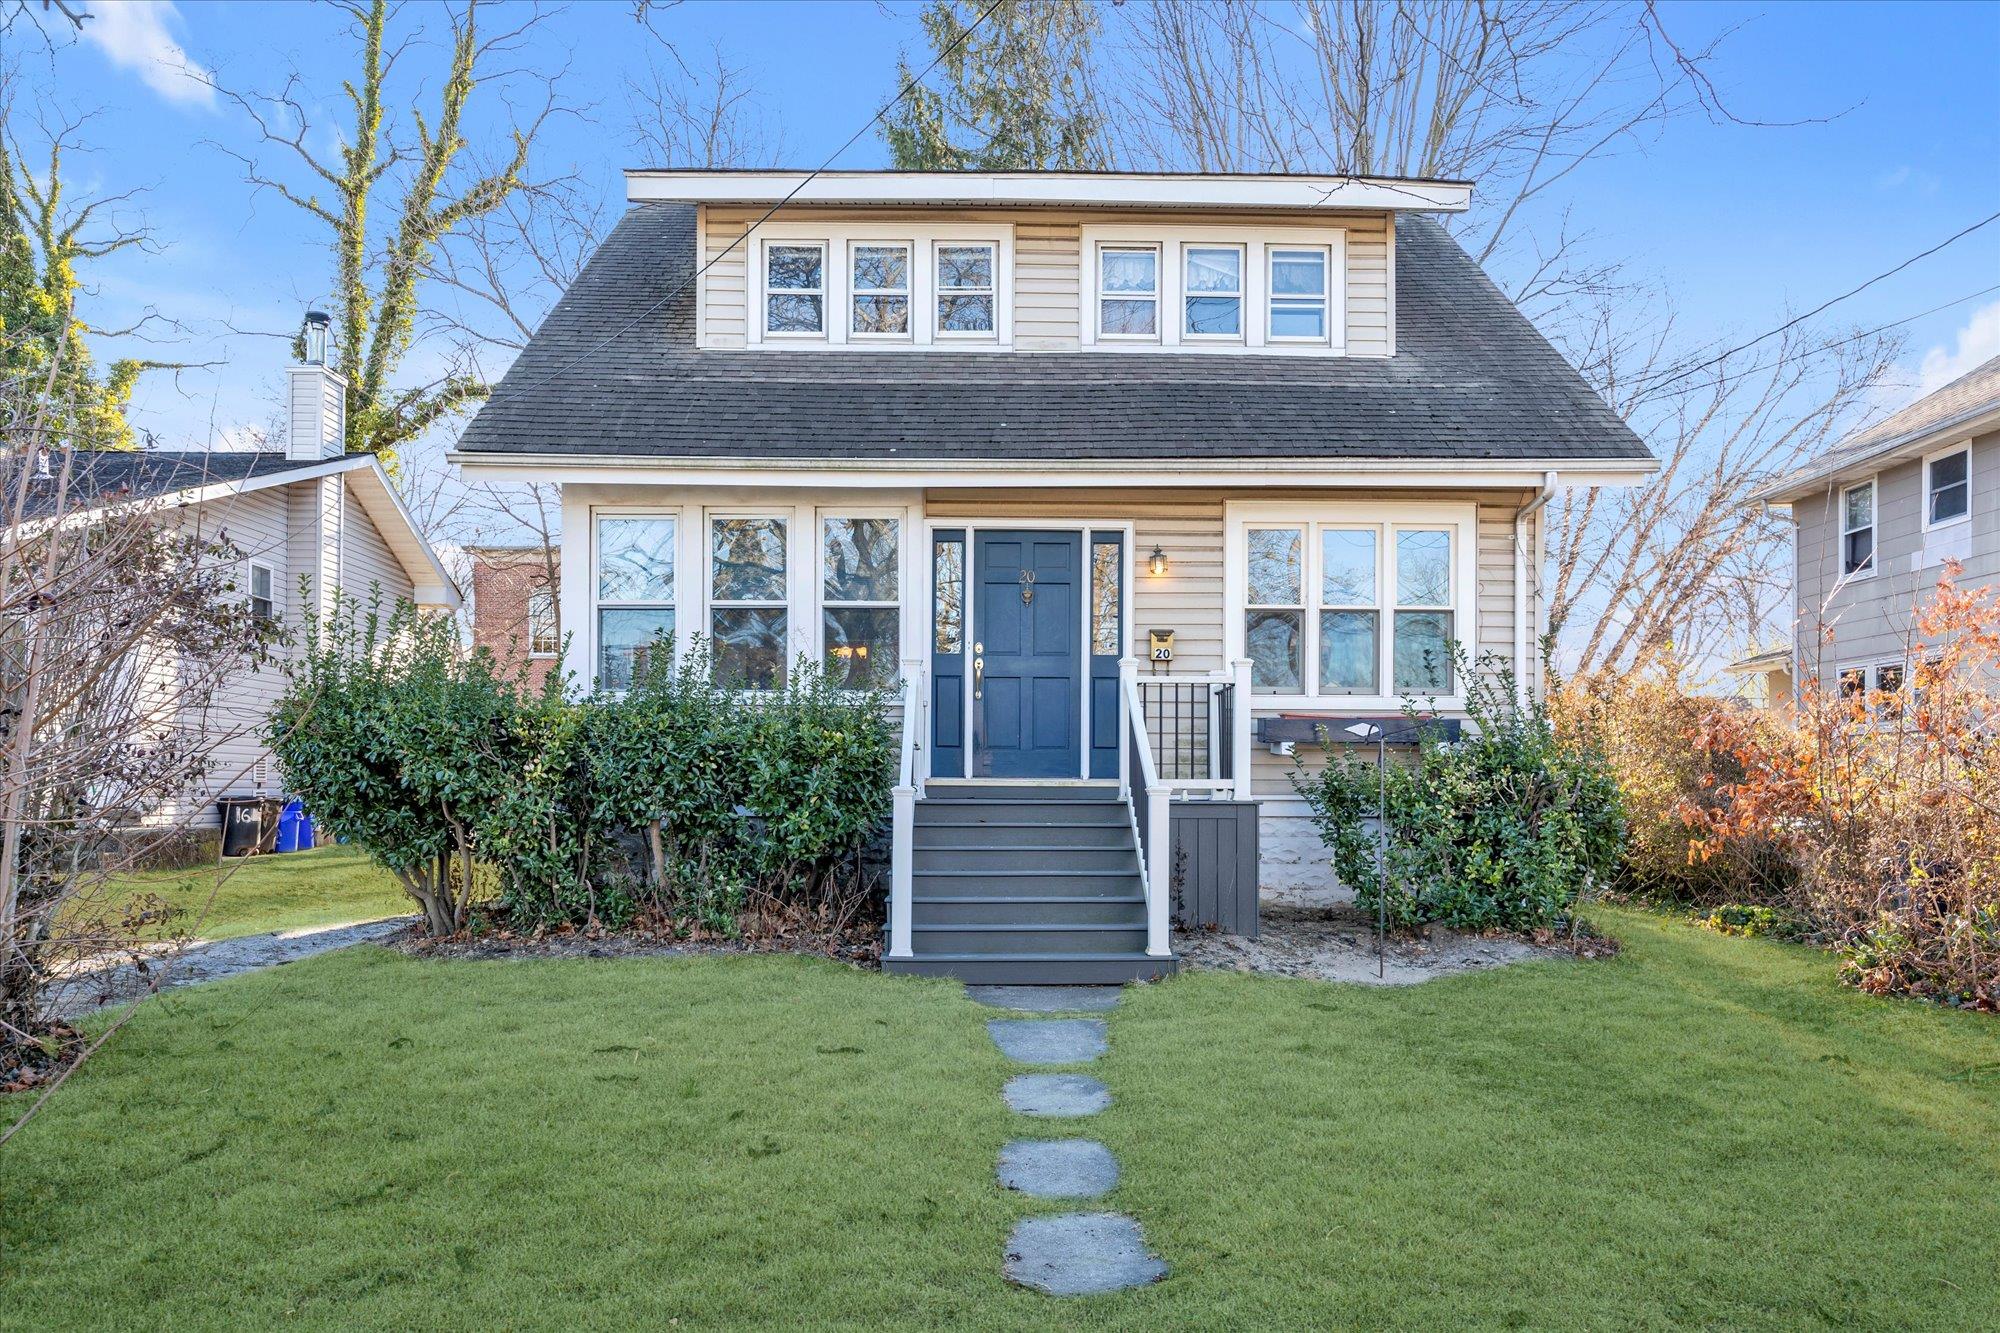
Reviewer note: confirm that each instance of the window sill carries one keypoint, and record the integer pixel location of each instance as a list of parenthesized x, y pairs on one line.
[(1947, 525)]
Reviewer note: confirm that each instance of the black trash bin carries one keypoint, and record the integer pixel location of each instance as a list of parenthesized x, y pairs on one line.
[(249, 824)]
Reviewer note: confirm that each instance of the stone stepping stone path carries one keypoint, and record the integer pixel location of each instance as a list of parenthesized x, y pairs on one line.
[(1056, 1094), (1048, 1041), (1066, 1254)]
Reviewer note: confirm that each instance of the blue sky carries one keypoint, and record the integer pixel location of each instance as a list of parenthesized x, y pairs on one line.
[(1743, 226)]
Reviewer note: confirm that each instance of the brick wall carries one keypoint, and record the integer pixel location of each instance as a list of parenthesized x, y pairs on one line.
[(503, 580)]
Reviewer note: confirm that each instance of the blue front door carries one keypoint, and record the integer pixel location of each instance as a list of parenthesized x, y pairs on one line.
[(1027, 633)]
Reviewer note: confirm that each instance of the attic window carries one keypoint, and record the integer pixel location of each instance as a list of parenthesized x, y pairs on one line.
[(795, 288)]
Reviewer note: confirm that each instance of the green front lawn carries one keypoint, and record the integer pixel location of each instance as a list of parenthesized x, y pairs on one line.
[(1704, 1131), (329, 886)]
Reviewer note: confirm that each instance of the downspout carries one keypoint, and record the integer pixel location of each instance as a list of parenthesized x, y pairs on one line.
[(1521, 640)]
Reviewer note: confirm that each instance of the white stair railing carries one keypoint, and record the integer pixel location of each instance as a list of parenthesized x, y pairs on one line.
[(903, 806), (1151, 804)]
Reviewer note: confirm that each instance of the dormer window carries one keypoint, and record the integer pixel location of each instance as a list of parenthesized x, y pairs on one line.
[(965, 291), (1129, 280), (1213, 275), (795, 289), (1298, 295), (881, 291)]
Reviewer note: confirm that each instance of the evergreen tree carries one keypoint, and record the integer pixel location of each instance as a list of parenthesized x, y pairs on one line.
[(1011, 93)]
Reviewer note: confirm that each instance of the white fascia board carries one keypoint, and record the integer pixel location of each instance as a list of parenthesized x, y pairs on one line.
[(430, 584), (876, 474), (1045, 189)]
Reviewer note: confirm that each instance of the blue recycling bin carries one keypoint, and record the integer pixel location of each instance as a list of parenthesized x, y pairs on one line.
[(295, 828)]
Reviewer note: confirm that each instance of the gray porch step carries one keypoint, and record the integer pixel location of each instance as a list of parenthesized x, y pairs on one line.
[(964, 813), (1023, 938), (1081, 969), (998, 833), (979, 910), (1024, 855), (1026, 883), (1014, 791)]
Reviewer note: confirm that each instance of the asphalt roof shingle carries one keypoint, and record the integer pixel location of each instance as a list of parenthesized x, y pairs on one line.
[(614, 371), (110, 476)]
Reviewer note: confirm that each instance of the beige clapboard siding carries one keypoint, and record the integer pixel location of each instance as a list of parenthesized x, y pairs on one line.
[(1048, 265)]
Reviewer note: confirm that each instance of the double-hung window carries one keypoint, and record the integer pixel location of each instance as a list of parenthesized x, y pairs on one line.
[(747, 623), (635, 596), (263, 591), (1947, 488), (881, 289), (543, 638), (965, 290), (859, 605), (795, 289), (1878, 686), (1298, 287), (1857, 529), (1128, 291), (1424, 630), (1353, 606), (1212, 292)]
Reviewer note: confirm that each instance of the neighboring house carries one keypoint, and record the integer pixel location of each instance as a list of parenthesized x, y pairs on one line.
[(1764, 679), (1876, 518), (514, 609), (308, 520), (1132, 481)]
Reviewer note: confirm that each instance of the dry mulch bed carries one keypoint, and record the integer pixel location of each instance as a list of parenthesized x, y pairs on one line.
[(859, 945), (1337, 943)]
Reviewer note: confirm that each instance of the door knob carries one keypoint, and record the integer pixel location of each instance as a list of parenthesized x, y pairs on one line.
[(978, 675)]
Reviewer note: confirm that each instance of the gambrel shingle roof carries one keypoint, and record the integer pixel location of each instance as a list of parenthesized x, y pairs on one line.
[(614, 371)]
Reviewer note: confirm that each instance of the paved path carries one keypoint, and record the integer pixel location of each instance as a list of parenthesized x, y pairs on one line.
[(1064, 1254), (212, 960)]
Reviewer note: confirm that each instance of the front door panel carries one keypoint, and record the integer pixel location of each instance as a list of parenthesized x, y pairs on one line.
[(1027, 631)]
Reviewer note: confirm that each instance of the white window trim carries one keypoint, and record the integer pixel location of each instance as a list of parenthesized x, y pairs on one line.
[(589, 634), (1874, 564), (911, 251), (1461, 519), (1924, 498), (1241, 294), (923, 239), (965, 336), (535, 653), (1257, 243), (276, 599), (1095, 318), (821, 602), (827, 303), (1270, 298)]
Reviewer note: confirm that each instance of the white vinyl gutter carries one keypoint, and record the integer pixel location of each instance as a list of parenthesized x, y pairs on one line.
[(1521, 640)]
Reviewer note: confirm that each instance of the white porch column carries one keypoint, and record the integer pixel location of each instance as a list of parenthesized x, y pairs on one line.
[(1159, 860), (1240, 725), (902, 850)]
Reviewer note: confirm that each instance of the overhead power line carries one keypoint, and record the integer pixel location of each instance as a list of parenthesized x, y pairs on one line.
[(909, 86), (1671, 376)]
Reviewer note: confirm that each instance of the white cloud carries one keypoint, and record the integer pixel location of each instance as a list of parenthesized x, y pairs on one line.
[(133, 36), (238, 439), (1977, 342)]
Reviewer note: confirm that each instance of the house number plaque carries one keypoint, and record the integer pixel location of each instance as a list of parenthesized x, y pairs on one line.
[(1160, 645), (1027, 587)]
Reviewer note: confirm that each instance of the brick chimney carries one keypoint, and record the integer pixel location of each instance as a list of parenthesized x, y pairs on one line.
[(317, 426)]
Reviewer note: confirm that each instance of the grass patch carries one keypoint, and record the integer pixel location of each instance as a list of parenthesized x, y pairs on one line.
[(324, 887), (1706, 1130)]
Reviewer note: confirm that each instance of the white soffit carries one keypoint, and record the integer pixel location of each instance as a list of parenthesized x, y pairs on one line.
[(1048, 189)]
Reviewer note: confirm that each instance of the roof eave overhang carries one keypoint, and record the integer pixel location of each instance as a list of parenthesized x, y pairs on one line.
[(1897, 449), (962, 189), (627, 469)]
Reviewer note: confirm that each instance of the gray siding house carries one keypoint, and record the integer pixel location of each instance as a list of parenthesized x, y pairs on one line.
[(1875, 520), (1126, 482)]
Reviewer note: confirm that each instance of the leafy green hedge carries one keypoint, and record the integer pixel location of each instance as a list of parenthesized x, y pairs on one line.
[(1503, 828), (675, 796)]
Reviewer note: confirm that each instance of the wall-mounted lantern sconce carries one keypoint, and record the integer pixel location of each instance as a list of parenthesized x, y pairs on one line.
[(318, 326), (1157, 561)]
